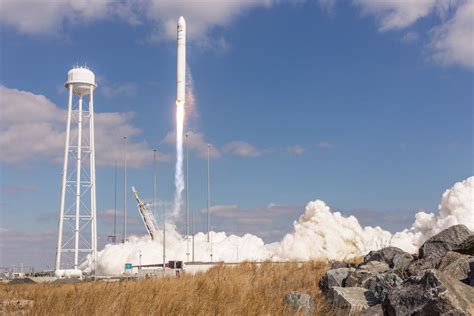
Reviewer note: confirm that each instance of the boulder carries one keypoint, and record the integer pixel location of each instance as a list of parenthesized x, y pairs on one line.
[(467, 247), (375, 267), (401, 261), (388, 256), (433, 294), (342, 264), (375, 310), (447, 240), (334, 277), (300, 303), (358, 277), (455, 265), (351, 300), (364, 272), (419, 267), (471, 272), (382, 284)]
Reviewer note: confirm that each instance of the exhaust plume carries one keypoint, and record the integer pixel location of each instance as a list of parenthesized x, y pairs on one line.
[(319, 233), (179, 176)]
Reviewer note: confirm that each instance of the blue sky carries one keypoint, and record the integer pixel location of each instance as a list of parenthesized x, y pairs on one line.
[(366, 105)]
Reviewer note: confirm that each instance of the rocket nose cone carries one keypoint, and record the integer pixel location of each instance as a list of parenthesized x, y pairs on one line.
[(181, 20)]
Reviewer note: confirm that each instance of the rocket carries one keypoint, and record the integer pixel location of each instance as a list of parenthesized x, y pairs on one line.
[(181, 62)]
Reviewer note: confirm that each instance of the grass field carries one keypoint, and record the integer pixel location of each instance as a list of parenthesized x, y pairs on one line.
[(246, 289)]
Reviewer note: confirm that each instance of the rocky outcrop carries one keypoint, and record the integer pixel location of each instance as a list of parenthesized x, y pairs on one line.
[(449, 239), (334, 277), (393, 282), (467, 247), (300, 303), (376, 310), (393, 256), (433, 294), (455, 265), (471, 272), (383, 284), (350, 300)]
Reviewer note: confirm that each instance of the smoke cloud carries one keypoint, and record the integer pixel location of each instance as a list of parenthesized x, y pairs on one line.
[(179, 176), (319, 233)]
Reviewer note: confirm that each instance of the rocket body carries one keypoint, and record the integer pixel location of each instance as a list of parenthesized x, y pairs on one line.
[(181, 62)]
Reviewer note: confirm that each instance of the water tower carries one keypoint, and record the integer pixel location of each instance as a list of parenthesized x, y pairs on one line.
[(77, 231)]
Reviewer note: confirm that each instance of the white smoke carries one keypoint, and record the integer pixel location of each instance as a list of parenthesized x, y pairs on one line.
[(231, 248), (179, 177), (456, 207), (319, 233)]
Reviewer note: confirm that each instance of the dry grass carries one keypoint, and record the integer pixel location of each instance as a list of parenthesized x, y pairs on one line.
[(247, 289)]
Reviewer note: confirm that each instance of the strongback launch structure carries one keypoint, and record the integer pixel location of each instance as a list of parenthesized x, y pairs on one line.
[(77, 229)]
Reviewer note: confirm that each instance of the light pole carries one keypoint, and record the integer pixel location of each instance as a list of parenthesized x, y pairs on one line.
[(211, 242), (124, 189), (154, 182), (164, 234), (187, 200), (208, 189), (115, 204)]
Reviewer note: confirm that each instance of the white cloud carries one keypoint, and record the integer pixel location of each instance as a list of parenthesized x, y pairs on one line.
[(453, 41), (200, 16), (126, 89), (38, 17), (325, 145), (396, 14), (241, 148), (196, 143), (327, 5), (33, 127), (410, 37), (296, 149), (221, 209)]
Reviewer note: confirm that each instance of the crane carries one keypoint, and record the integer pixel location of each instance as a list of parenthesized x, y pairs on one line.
[(147, 216)]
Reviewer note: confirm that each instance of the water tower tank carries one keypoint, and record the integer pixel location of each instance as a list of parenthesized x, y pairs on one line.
[(82, 79)]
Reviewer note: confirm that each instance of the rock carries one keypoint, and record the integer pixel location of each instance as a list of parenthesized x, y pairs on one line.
[(364, 272), (375, 310), (433, 294), (388, 256), (334, 277), (467, 247), (401, 261), (449, 239), (350, 300), (419, 267), (455, 265), (471, 272), (301, 303), (358, 277), (342, 264), (382, 284), (375, 266)]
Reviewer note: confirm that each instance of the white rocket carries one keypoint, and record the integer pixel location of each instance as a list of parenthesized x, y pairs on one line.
[(181, 62)]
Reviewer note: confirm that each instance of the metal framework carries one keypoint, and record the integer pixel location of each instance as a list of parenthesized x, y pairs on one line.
[(77, 229)]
